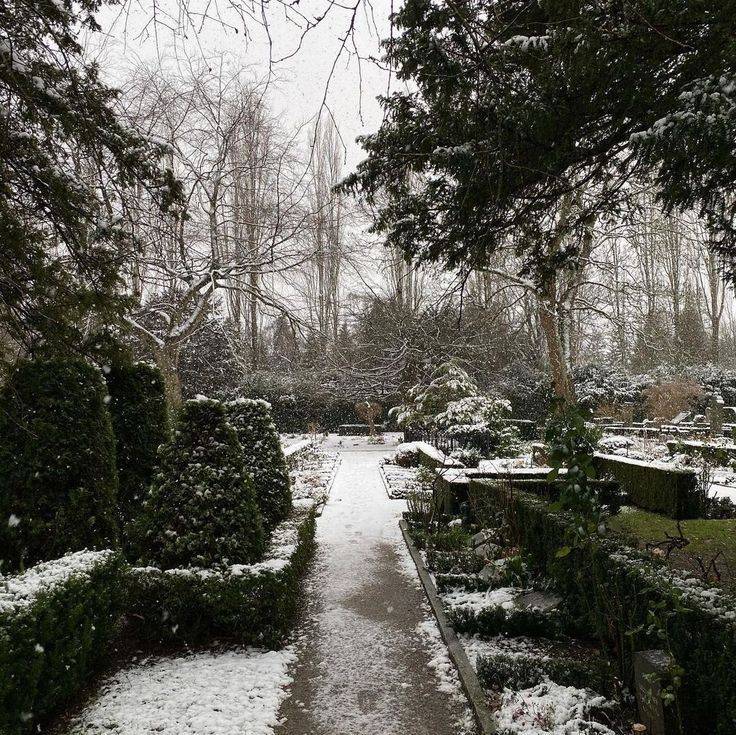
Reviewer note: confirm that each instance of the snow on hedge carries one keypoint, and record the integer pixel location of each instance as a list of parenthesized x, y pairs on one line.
[(551, 709), (237, 691), (21, 590)]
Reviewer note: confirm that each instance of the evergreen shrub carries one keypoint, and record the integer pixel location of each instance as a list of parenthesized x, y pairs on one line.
[(140, 423), (670, 491), (201, 510), (57, 623), (263, 456), (253, 604), (58, 480)]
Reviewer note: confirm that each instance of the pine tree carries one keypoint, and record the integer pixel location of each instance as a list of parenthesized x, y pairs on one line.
[(201, 510), (264, 457), (67, 163), (511, 107)]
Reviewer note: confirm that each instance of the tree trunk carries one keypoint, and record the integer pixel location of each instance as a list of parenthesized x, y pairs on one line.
[(559, 373), (167, 360)]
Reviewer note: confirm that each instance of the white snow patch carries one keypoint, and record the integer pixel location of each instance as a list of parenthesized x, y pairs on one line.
[(551, 709), (224, 693)]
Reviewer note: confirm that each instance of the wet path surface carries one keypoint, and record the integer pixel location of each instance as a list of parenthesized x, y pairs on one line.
[(363, 667)]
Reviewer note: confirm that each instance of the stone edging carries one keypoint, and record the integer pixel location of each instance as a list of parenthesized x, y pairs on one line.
[(468, 678)]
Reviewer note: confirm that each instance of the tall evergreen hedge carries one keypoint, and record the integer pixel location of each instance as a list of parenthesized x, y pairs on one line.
[(140, 423), (201, 509), (58, 481), (264, 457)]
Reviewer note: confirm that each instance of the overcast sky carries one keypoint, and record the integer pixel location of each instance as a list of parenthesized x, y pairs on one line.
[(299, 84)]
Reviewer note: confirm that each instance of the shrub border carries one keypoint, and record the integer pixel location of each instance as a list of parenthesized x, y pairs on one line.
[(700, 621)]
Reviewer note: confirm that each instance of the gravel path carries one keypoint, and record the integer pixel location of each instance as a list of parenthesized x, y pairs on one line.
[(369, 658)]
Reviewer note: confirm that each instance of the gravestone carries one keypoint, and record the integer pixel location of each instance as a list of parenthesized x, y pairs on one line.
[(650, 668), (543, 601), (715, 414)]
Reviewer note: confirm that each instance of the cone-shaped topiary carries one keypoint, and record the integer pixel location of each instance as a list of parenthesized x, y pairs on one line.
[(201, 510), (141, 424), (264, 457), (58, 479)]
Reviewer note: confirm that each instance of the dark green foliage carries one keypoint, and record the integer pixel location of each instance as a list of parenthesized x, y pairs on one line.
[(670, 491), (263, 456), (201, 510), (506, 112), (470, 582), (51, 644), (140, 424), (66, 162), (630, 603), (58, 480), (454, 562), (520, 671), (250, 607), (496, 620)]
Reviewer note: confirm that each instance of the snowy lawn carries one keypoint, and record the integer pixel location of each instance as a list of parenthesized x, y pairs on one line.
[(235, 692)]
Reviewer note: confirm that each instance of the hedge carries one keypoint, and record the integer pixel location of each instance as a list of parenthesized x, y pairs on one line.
[(201, 510), (670, 491), (263, 456), (520, 671), (252, 604), (58, 480), (57, 621), (632, 602), (140, 423)]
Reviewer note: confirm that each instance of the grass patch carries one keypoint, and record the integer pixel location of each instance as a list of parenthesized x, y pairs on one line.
[(708, 538)]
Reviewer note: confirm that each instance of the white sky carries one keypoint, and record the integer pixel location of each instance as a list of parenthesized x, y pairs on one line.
[(299, 83)]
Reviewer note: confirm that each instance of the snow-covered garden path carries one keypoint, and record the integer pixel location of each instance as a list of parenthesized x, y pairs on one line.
[(369, 657)]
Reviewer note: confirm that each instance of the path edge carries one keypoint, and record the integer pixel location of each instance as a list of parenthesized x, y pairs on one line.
[(468, 678)]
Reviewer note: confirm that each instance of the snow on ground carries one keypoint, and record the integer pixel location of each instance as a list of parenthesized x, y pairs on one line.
[(504, 597), (228, 693), (551, 709)]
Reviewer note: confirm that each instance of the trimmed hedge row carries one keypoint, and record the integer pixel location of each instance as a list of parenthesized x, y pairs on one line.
[(253, 604), (669, 491), (520, 671), (631, 603), (57, 621)]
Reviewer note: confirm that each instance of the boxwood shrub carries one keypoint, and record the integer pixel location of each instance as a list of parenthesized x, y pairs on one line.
[(264, 457), (520, 671), (140, 424), (201, 510), (57, 621), (670, 491), (631, 602), (253, 604), (58, 481)]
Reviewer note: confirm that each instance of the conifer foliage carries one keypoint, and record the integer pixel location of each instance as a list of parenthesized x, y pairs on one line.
[(264, 457), (140, 423), (201, 510), (58, 481), (67, 163)]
